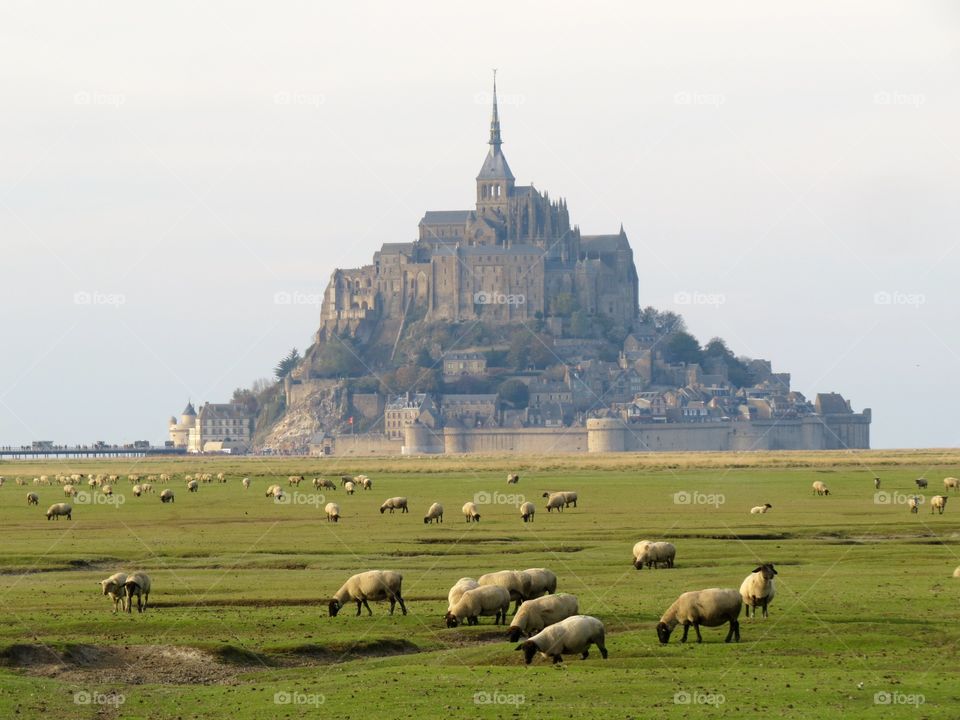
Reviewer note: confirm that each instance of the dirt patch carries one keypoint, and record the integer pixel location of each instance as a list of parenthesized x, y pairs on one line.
[(738, 536)]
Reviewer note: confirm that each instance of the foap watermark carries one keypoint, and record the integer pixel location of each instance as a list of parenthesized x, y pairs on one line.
[(685, 297), (898, 297), (485, 697), (692, 97), (498, 498), (683, 497), (895, 97), (698, 698), (284, 297), (486, 98), (83, 497), (287, 697), (97, 298), (105, 99), (298, 98), (898, 698), (299, 498), (92, 697), (884, 497), (485, 297)]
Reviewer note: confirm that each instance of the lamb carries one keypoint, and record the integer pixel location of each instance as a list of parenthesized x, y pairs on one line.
[(246, 483), (712, 607), (60, 509), (573, 635), (914, 504), (192, 486), (33, 498), (371, 585), (534, 615), (138, 584), (459, 588), (951, 483), (349, 487), (484, 600), (470, 512), (324, 483), (921, 482), (527, 511), (333, 511), (569, 498), (556, 502), (758, 590), (653, 554), (394, 503), (166, 496), (113, 587), (434, 513), (761, 509), (938, 502), (513, 479), (820, 488)]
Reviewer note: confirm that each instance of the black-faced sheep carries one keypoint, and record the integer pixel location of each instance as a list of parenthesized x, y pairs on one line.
[(470, 512), (534, 615), (394, 503), (513, 479), (33, 499), (820, 488), (761, 509), (569, 498), (459, 588), (166, 496), (712, 607), (758, 589), (434, 513), (333, 512), (951, 483), (113, 587), (574, 635), (373, 585), (653, 554), (138, 584), (59, 510), (485, 600), (938, 503), (527, 511)]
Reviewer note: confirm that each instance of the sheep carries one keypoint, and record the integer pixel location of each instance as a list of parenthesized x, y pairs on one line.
[(333, 511), (21, 482), (166, 496), (513, 479), (484, 600), (59, 509), (761, 509), (573, 635), (146, 487), (113, 587), (394, 503), (876, 483), (137, 490), (819, 488), (534, 615), (344, 479), (758, 590), (33, 498), (164, 477), (221, 477), (274, 491), (295, 480), (470, 512), (371, 585), (246, 483), (69, 491), (138, 584), (569, 498), (652, 554), (914, 504), (107, 490), (956, 573), (712, 607), (527, 511), (556, 502), (459, 588), (951, 483), (366, 483), (510, 580), (537, 582), (349, 487), (192, 486), (434, 513), (324, 483), (938, 502), (921, 483)]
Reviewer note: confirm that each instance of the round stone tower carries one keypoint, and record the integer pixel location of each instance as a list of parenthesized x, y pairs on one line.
[(606, 435)]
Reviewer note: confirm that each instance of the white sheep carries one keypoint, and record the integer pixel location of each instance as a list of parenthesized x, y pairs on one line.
[(371, 585), (107, 489), (113, 587), (434, 513), (956, 573), (246, 483), (221, 477), (470, 512), (146, 487), (166, 496), (534, 615), (758, 589), (510, 580), (192, 486), (137, 490), (820, 488), (138, 584), (394, 503), (295, 480), (324, 483), (761, 509), (711, 607), (333, 511), (349, 487), (951, 483), (914, 503), (569, 498), (653, 554), (485, 600), (274, 491), (69, 490), (513, 479), (938, 502), (574, 635), (527, 511), (366, 483), (537, 582), (60, 509), (459, 588), (33, 498), (556, 502)]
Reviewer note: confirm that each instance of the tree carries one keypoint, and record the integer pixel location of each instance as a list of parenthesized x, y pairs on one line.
[(286, 366), (579, 324), (247, 400), (663, 321), (514, 392), (682, 347), (338, 358)]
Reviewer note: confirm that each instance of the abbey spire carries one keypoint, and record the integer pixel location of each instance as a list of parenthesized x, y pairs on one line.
[(495, 181)]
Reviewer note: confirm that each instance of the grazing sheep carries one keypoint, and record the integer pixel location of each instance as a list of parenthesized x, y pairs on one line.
[(938, 502), (758, 590), (574, 635), (434, 513), (527, 511), (569, 498), (537, 582), (761, 509), (33, 498), (137, 490), (221, 477), (138, 584), (470, 512), (556, 502), (366, 483), (344, 479), (60, 509), (69, 491), (371, 585), (349, 487), (459, 588), (192, 486), (333, 511), (534, 615), (921, 482), (510, 580), (394, 503), (956, 573), (274, 491), (113, 587), (712, 607), (914, 504), (164, 477), (513, 479), (820, 488), (107, 490), (246, 483), (951, 483), (324, 483), (146, 487), (652, 554), (485, 600), (876, 483), (166, 496), (295, 480)]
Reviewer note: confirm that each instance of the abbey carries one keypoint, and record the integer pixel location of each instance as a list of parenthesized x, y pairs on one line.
[(512, 258)]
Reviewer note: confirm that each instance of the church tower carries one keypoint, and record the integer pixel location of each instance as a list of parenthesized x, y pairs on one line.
[(495, 181)]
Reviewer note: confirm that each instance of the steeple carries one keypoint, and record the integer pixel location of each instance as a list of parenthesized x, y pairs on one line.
[(495, 118), (495, 181)]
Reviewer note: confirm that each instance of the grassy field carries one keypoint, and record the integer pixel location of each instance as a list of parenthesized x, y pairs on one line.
[(865, 622)]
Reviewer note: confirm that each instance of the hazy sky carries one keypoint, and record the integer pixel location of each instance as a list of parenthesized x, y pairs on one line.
[(791, 169)]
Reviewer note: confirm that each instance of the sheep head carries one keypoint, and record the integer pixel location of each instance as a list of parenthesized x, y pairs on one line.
[(529, 649), (663, 632), (452, 620), (514, 634), (334, 608)]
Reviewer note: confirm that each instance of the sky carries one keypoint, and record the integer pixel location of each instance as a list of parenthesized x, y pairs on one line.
[(787, 174)]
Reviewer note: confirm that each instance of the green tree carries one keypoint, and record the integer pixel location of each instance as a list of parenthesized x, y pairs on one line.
[(663, 321), (514, 392), (286, 366), (682, 347)]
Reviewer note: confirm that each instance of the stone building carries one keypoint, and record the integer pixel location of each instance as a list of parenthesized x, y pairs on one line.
[(217, 427)]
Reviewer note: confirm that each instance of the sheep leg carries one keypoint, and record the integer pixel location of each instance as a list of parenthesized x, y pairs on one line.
[(393, 604), (764, 608), (367, 606), (585, 654), (359, 606), (402, 606), (602, 647), (686, 629), (696, 626), (557, 659)]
